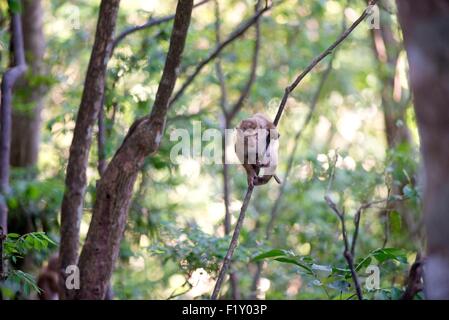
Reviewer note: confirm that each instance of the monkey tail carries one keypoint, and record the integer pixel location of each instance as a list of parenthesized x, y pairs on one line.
[(277, 179)]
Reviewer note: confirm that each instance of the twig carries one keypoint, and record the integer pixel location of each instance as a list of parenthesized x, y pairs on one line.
[(347, 251), (219, 68), (252, 75), (239, 31), (150, 23), (317, 60), (232, 245), (101, 138)]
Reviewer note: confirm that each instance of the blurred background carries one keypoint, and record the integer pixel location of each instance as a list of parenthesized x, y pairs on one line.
[(175, 237)]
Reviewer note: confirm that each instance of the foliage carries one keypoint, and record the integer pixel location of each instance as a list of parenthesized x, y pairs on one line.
[(17, 247), (175, 222)]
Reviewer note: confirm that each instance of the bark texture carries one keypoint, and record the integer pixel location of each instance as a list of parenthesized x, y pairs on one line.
[(75, 183), (425, 26), (115, 188), (26, 123)]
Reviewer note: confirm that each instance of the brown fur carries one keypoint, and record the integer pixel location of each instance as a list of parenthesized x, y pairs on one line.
[(252, 152)]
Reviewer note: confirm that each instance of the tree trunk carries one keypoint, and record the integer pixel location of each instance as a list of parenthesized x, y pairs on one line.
[(387, 50), (425, 26), (115, 187), (75, 183), (10, 77), (25, 136)]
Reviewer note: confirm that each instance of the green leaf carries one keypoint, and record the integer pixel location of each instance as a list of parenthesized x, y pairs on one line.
[(385, 254), (295, 262), (270, 254)]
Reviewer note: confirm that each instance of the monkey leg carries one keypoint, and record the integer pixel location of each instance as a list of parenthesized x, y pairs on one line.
[(258, 181)]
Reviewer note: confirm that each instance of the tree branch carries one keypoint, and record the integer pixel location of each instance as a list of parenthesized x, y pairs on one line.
[(150, 23), (347, 251), (101, 138), (252, 75), (317, 60), (238, 32), (114, 190), (288, 90), (91, 102), (291, 158), (233, 244)]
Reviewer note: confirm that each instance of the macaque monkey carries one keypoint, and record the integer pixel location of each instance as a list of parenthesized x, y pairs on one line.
[(48, 280), (257, 145)]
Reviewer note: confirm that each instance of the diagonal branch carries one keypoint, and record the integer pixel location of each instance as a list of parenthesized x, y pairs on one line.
[(233, 244), (291, 158), (101, 136), (318, 59), (252, 75), (288, 90), (238, 32), (150, 23), (219, 67), (114, 190)]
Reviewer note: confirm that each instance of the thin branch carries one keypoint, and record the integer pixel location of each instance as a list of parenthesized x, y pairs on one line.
[(238, 32), (249, 191), (318, 59), (219, 67), (101, 137), (252, 75), (291, 158), (290, 161), (225, 123), (150, 23), (347, 251), (233, 244)]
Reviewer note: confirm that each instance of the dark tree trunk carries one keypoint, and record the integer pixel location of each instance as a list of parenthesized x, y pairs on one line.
[(75, 184), (115, 187), (425, 26), (26, 123)]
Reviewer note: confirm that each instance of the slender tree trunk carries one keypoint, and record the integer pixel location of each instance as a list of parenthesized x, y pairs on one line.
[(26, 123), (425, 26), (75, 183), (394, 105), (387, 50), (115, 187), (10, 77)]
